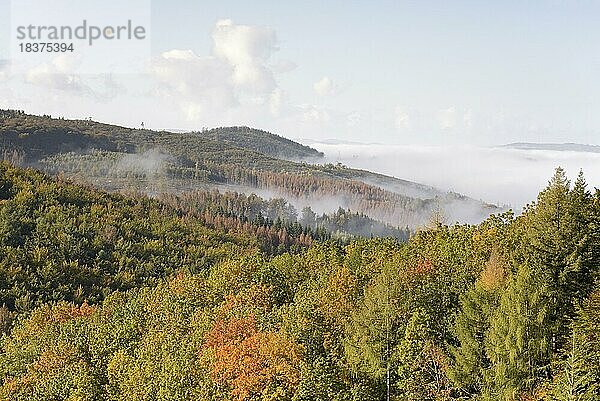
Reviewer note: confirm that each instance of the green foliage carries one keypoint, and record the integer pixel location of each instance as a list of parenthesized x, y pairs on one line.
[(111, 297), (422, 366), (509, 336), (579, 377), (63, 242), (519, 339), (575, 382), (478, 306), (560, 236), (261, 141)]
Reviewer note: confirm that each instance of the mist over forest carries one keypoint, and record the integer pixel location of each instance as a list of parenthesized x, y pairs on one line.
[(499, 175)]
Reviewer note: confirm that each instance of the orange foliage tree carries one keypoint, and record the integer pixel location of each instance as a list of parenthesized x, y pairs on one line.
[(253, 364)]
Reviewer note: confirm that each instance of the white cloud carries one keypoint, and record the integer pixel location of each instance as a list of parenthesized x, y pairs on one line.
[(313, 113), (325, 87), (60, 75), (237, 71), (66, 63), (44, 75), (201, 84), (402, 120), (246, 49), (276, 99), (447, 118), (177, 54), (57, 74)]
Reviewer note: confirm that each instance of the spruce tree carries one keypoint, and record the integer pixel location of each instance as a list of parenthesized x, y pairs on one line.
[(579, 377), (520, 336), (576, 382), (478, 306), (559, 239)]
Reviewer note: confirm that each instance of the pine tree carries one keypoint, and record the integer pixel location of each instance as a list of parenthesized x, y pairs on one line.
[(548, 223), (578, 276)]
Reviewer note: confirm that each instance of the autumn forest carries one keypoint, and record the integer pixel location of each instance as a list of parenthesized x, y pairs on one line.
[(175, 281)]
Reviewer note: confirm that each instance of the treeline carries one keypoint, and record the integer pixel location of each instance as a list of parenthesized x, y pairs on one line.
[(368, 199), (156, 174), (272, 222), (278, 213), (506, 310), (57, 135)]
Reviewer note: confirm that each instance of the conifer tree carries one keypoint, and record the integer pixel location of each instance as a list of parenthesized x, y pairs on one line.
[(576, 382), (372, 334), (421, 365), (478, 306), (520, 336), (558, 240)]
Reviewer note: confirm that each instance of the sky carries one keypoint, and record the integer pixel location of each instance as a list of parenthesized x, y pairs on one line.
[(436, 73)]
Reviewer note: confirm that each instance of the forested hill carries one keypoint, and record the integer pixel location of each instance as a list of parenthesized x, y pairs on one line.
[(232, 159), (73, 243), (262, 142), (36, 137), (108, 297)]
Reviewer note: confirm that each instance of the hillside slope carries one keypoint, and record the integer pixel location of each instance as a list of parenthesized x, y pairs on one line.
[(60, 241), (261, 141), (120, 158)]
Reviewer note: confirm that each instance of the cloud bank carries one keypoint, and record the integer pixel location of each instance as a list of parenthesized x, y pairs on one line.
[(503, 176), (238, 68)]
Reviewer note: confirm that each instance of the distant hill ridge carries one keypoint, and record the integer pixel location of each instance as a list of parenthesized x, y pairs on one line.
[(561, 147), (60, 135)]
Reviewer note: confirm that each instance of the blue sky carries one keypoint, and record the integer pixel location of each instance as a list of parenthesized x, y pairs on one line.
[(444, 72)]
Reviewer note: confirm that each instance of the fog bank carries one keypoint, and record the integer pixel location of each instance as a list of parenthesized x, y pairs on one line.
[(502, 176)]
